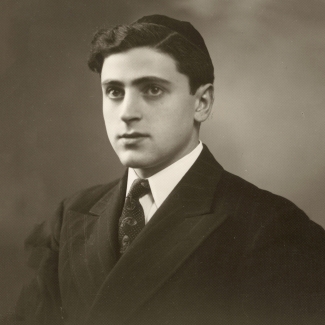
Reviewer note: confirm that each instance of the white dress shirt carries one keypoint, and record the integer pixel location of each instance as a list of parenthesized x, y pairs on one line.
[(163, 182)]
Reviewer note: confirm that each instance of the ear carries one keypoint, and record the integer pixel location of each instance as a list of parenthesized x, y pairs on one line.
[(204, 101)]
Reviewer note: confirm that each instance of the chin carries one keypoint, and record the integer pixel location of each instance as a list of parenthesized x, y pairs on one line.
[(134, 162)]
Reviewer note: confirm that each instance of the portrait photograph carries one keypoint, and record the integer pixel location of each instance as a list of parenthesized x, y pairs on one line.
[(162, 162)]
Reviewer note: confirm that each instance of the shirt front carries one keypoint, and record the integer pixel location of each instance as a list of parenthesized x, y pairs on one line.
[(163, 182)]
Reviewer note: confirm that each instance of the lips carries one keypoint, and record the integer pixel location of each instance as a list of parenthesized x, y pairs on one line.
[(133, 135), (132, 138)]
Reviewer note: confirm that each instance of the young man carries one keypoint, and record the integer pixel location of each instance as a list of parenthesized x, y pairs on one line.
[(177, 240)]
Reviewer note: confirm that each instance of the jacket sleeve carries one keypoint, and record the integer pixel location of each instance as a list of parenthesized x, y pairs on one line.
[(40, 301)]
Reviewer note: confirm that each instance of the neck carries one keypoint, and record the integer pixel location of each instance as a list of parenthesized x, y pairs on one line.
[(150, 171)]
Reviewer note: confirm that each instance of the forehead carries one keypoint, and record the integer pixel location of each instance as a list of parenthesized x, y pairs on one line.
[(140, 62)]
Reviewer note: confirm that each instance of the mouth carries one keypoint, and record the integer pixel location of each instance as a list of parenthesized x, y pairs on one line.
[(133, 137)]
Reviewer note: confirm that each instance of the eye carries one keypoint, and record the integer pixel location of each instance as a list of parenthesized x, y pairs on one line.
[(153, 91), (114, 93)]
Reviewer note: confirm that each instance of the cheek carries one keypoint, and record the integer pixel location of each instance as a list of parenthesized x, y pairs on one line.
[(109, 117), (110, 127), (181, 120)]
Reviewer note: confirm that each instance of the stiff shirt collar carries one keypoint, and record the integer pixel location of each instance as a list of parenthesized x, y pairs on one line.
[(163, 182)]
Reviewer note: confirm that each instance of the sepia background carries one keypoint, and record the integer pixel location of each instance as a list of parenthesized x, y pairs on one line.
[(267, 125)]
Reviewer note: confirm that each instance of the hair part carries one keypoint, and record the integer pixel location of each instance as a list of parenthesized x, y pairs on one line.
[(190, 59)]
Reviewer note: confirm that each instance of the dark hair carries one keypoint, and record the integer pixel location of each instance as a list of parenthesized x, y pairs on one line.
[(190, 59)]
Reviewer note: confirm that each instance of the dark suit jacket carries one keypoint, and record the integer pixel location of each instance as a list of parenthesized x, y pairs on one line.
[(218, 251)]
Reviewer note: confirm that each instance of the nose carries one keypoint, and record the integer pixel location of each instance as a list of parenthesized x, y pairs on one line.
[(130, 108)]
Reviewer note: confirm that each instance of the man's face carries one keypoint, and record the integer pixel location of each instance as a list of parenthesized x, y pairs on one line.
[(148, 109)]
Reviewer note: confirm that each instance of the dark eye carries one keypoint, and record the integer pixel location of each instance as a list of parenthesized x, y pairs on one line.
[(153, 91), (115, 93)]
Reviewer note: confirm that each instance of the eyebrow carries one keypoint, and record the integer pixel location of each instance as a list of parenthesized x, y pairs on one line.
[(137, 81)]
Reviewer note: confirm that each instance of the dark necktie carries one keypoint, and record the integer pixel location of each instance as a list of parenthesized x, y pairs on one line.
[(132, 220)]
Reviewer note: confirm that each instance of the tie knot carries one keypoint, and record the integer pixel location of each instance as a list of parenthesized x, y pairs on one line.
[(139, 188)]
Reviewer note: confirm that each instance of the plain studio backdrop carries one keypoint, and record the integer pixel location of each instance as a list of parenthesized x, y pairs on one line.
[(267, 124)]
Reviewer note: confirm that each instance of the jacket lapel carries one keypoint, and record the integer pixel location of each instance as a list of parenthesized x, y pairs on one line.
[(179, 226), (92, 240)]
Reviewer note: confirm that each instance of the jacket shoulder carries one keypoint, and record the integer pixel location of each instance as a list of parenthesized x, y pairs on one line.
[(268, 217), (47, 233), (258, 198)]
